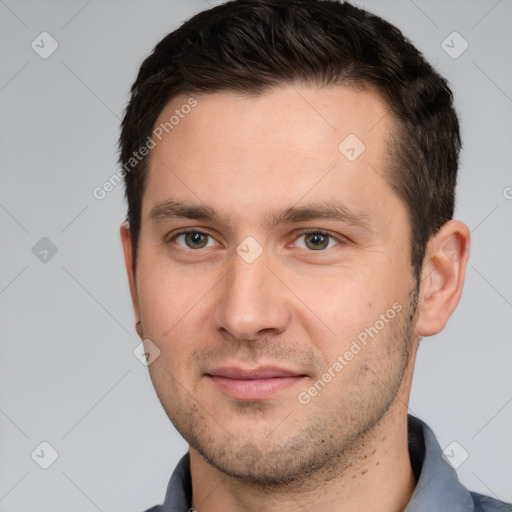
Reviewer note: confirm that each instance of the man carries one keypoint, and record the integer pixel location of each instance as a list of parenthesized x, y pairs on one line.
[(290, 171)]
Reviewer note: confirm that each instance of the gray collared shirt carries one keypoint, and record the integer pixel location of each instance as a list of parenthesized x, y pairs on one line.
[(438, 487)]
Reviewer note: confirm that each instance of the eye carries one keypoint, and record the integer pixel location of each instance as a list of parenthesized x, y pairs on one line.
[(192, 240), (316, 241)]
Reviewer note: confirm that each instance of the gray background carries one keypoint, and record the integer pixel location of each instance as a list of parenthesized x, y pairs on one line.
[(68, 373)]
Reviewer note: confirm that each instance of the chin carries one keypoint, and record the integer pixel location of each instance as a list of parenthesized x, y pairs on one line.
[(261, 464)]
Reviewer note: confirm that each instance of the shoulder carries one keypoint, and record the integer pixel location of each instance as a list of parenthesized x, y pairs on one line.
[(487, 504)]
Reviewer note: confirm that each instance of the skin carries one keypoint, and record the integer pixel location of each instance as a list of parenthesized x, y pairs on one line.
[(294, 306)]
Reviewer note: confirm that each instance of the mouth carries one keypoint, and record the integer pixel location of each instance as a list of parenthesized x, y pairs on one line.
[(253, 384)]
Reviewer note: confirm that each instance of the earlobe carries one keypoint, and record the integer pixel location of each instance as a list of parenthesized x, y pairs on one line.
[(444, 268), (126, 241)]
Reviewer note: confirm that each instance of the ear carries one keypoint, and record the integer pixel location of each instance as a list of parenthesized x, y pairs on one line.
[(126, 240), (444, 268)]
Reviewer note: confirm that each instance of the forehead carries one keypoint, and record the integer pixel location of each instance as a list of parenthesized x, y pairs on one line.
[(311, 115), (291, 143)]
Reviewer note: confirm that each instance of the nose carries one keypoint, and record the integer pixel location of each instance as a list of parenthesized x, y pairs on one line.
[(252, 302)]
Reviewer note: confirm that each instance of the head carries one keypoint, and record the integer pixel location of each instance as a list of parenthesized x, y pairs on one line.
[(250, 121), (321, 43)]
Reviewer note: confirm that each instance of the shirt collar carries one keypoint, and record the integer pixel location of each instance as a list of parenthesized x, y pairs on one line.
[(438, 486)]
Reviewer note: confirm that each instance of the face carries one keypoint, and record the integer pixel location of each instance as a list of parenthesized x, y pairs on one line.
[(274, 277)]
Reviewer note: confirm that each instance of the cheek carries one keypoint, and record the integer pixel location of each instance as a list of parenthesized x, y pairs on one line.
[(341, 299), (167, 324), (169, 312), (350, 306), (170, 298)]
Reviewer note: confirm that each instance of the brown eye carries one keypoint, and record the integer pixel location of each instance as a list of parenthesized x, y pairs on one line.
[(193, 240), (316, 241)]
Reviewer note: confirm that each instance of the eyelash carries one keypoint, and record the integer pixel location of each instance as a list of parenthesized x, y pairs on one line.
[(298, 235)]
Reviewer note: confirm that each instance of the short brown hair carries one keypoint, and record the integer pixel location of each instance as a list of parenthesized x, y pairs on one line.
[(251, 46)]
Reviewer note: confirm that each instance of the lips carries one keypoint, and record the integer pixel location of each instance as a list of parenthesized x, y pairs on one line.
[(265, 372), (253, 384)]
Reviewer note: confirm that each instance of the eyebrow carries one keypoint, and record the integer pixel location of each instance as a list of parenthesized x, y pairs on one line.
[(173, 209)]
